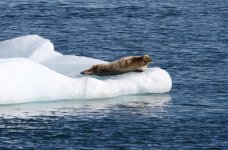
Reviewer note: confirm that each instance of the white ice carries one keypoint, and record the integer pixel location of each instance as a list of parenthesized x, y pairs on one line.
[(31, 70)]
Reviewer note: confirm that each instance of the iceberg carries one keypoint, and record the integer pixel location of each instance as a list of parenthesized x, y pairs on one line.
[(31, 70)]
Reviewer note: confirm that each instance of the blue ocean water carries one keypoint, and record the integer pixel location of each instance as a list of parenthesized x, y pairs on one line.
[(187, 38)]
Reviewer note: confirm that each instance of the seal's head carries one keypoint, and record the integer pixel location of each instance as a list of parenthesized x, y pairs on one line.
[(147, 59)]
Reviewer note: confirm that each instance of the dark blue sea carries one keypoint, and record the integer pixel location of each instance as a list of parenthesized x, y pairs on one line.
[(187, 38)]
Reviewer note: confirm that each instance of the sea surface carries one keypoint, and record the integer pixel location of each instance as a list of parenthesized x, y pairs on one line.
[(187, 38)]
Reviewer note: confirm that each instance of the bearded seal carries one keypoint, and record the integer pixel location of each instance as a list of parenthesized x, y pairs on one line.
[(123, 65)]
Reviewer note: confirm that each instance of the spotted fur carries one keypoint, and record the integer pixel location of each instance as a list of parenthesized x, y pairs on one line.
[(123, 65)]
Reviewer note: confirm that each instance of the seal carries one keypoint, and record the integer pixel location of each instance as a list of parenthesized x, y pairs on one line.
[(123, 65)]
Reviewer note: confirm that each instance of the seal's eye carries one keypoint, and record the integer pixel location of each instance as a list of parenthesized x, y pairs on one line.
[(147, 59)]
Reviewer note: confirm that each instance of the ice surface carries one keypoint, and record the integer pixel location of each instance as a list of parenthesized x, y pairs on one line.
[(31, 70), (33, 47), (41, 50)]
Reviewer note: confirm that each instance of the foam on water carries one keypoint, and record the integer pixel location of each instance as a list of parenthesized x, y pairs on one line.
[(31, 70)]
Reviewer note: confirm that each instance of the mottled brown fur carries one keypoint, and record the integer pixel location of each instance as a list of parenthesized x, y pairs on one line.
[(123, 65)]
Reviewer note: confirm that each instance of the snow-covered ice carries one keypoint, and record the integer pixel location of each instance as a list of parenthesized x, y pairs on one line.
[(31, 70)]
